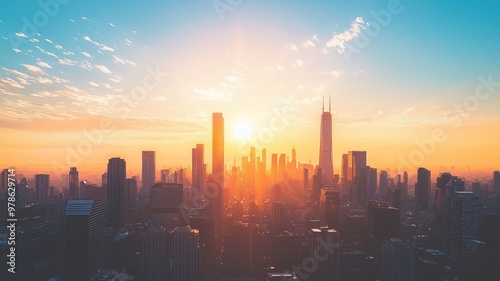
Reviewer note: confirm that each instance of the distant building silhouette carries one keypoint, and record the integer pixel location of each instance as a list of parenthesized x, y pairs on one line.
[(148, 170), (328, 263), (73, 183), (329, 210), (166, 200), (217, 177), (198, 169), (42, 187), (422, 189), (116, 191)]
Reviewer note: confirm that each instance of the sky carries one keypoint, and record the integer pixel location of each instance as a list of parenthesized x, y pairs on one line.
[(414, 83)]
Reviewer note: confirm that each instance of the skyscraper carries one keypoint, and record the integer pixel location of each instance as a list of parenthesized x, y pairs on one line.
[(274, 167), (356, 177), (42, 187), (325, 147), (185, 255), (496, 182), (464, 222), (217, 177), (282, 167), (148, 170), (131, 192), (155, 264), (85, 239), (328, 262), (278, 218), (398, 261), (116, 181), (383, 185), (198, 171), (422, 189), (329, 208), (166, 200), (73, 183)]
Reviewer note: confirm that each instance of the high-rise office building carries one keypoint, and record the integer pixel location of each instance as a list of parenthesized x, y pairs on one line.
[(217, 177), (165, 175), (4, 180), (185, 254), (464, 222), (356, 177), (329, 208), (198, 172), (274, 167), (325, 147), (496, 182), (371, 182), (84, 238), (148, 170), (383, 185), (208, 242), (383, 222), (344, 186), (264, 161), (73, 183), (278, 218), (131, 189), (42, 187), (155, 256), (328, 263), (398, 261), (116, 181), (305, 181), (282, 167), (166, 200), (422, 189)]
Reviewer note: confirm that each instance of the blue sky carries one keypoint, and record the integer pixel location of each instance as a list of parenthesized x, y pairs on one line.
[(256, 57)]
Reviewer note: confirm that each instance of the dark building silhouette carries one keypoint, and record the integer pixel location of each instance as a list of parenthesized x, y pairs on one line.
[(278, 218), (422, 189), (329, 208), (42, 187), (208, 242), (398, 261), (73, 183), (166, 202), (148, 170), (185, 254), (85, 239), (328, 262), (496, 182), (116, 193), (383, 222)]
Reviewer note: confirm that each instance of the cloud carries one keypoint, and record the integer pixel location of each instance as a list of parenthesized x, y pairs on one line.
[(44, 80), (47, 53), (17, 73), (335, 73), (93, 84), (20, 34), (11, 82), (103, 68), (338, 40), (112, 25), (291, 47), (102, 46), (298, 63), (34, 69), (311, 43), (86, 54), (118, 60), (17, 51), (43, 64), (160, 99), (73, 88), (66, 62)]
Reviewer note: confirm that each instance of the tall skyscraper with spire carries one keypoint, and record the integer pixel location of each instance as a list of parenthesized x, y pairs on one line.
[(325, 147)]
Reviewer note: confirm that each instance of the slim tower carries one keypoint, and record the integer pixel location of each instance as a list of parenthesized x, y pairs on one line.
[(325, 147)]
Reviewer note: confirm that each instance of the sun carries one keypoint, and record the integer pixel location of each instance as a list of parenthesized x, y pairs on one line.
[(242, 131)]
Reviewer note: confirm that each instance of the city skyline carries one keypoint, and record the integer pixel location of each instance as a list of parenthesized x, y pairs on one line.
[(55, 88)]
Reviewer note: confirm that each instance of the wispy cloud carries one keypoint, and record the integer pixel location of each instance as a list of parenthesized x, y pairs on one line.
[(338, 40), (103, 68), (212, 94), (102, 46), (34, 69)]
